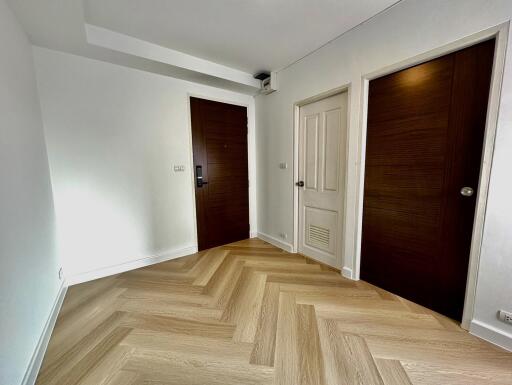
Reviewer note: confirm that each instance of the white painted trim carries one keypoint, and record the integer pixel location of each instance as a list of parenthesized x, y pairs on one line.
[(346, 272), (491, 334), (296, 116), (192, 171), (37, 358), (119, 42), (485, 173), (130, 265), (276, 242), (296, 141), (500, 32)]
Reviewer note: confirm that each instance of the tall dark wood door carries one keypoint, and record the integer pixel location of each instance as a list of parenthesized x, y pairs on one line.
[(423, 152), (219, 141)]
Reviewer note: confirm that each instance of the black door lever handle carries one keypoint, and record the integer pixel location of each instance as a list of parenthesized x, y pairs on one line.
[(300, 183)]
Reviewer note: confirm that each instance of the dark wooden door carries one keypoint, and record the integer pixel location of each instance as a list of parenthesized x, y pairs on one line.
[(424, 144), (219, 141)]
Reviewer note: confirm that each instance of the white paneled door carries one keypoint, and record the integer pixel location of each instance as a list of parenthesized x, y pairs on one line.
[(322, 136)]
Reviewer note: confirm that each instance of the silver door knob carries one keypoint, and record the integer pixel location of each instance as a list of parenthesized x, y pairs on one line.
[(466, 191)]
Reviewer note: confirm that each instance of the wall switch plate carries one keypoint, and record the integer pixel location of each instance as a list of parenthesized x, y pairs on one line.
[(179, 168), (505, 316), (283, 165)]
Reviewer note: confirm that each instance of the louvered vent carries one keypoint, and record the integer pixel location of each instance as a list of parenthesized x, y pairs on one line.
[(319, 236)]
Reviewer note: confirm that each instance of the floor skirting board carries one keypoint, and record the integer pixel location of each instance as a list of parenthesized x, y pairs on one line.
[(130, 265), (276, 242), (347, 272), (42, 344), (491, 334)]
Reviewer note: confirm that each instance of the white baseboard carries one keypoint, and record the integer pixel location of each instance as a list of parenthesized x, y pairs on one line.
[(347, 272), (253, 234), (276, 242), (130, 265), (37, 358), (491, 334)]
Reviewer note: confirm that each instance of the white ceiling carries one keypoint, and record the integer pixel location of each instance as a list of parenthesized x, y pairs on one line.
[(249, 35), (244, 36)]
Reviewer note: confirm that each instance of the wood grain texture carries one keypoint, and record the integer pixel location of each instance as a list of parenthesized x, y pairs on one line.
[(248, 313), (265, 339), (424, 143), (392, 372), (219, 143)]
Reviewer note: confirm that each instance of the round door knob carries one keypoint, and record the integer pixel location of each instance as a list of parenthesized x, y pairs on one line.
[(466, 191), (300, 183)]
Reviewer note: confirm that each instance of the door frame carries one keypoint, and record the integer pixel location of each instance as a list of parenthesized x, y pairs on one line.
[(251, 160), (500, 33), (296, 141)]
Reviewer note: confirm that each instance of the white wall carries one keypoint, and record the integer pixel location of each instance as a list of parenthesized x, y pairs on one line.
[(411, 28), (113, 135), (28, 264)]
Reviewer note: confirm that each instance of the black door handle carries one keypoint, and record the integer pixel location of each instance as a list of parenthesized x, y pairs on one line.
[(300, 183), (199, 177)]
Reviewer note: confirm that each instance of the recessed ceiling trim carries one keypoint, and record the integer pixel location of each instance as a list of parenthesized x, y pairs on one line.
[(115, 41)]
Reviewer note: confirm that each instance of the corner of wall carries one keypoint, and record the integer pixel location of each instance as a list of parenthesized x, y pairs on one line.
[(76, 279), (276, 242), (38, 355)]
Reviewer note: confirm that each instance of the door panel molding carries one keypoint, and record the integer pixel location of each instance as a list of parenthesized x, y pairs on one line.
[(330, 180), (344, 88), (321, 237), (321, 201), (311, 153)]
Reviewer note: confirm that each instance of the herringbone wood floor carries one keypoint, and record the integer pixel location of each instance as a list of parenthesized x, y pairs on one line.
[(249, 313)]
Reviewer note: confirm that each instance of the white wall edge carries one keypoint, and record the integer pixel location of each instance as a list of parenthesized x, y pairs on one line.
[(37, 358), (491, 334), (276, 242), (130, 265), (116, 41), (347, 272)]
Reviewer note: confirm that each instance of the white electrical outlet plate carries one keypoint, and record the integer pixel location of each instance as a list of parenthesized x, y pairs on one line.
[(283, 166), (505, 316), (179, 168)]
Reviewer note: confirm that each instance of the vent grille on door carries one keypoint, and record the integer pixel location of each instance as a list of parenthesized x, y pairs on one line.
[(319, 236)]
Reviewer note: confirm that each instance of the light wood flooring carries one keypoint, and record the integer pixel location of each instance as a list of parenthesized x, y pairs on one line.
[(249, 313)]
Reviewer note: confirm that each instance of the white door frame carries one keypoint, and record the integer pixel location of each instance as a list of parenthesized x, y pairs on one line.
[(296, 141), (500, 32)]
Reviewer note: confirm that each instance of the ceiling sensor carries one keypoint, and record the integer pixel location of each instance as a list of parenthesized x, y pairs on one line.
[(268, 82), (262, 75)]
